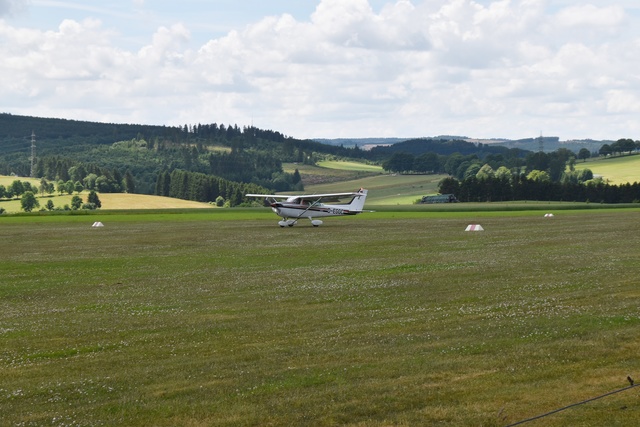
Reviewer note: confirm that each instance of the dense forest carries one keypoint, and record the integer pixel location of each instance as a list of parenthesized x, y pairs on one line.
[(512, 187), (539, 176), (445, 147)]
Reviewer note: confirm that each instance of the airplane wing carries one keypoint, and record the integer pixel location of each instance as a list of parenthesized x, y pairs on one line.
[(329, 197), (275, 196)]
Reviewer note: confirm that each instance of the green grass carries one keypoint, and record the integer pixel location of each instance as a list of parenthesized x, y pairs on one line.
[(332, 171), (391, 318), (7, 180), (616, 170), (14, 205), (386, 189), (350, 166)]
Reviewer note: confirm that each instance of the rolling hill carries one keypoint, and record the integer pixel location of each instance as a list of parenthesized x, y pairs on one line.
[(615, 170)]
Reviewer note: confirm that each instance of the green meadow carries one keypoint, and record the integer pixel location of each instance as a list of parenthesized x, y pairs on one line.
[(350, 165), (615, 170), (385, 189), (388, 190), (222, 318)]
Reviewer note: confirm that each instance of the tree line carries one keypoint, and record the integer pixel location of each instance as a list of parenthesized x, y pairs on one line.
[(90, 176), (536, 176), (17, 188), (28, 200), (201, 187), (505, 186), (623, 145)]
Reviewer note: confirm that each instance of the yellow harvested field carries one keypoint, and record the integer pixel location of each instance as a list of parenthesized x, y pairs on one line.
[(108, 200), (6, 180), (140, 201), (113, 201)]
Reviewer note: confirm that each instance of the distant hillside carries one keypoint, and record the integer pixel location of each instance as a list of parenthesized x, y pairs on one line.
[(446, 148), (144, 153), (19, 129), (553, 143), (364, 143), (549, 143)]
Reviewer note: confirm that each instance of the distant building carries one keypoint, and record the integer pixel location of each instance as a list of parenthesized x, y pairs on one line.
[(440, 198)]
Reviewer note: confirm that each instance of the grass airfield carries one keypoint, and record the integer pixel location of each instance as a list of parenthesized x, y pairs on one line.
[(220, 317)]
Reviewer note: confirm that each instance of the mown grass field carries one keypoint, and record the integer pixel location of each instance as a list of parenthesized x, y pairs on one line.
[(222, 318), (332, 171), (352, 166)]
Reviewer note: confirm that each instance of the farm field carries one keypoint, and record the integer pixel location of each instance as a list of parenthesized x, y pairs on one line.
[(328, 172), (7, 180), (220, 317), (113, 201), (354, 166), (615, 170), (108, 200), (386, 189)]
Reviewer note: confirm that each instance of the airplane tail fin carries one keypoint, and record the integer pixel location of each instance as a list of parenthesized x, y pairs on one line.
[(357, 203)]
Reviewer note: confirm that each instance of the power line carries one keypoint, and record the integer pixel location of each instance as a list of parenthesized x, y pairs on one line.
[(576, 404), (541, 143), (33, 155)]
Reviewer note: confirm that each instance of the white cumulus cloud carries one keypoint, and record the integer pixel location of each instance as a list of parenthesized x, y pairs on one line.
[(485, 68)]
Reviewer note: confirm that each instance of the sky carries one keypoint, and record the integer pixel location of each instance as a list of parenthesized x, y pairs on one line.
[(330, 68)]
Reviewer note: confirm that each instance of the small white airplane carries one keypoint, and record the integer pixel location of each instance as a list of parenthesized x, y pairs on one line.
[(311, 206)]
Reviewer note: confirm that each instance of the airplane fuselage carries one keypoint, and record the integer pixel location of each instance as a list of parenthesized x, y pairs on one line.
[(292, 208), (296, 210)]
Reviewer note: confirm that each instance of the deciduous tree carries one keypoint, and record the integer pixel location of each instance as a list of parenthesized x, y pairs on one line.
[(584, 154), (17, 187), (129, 182), (28, 202), (76, 202), (93, 198)]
